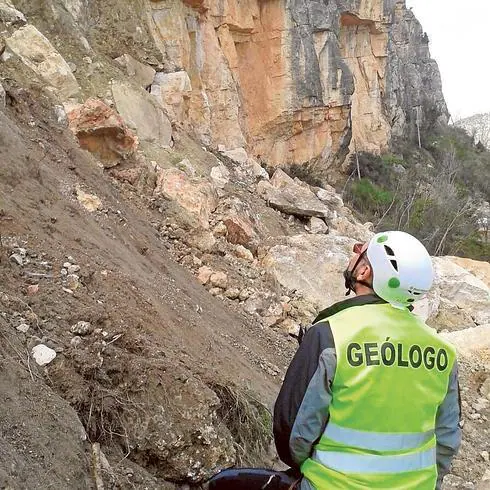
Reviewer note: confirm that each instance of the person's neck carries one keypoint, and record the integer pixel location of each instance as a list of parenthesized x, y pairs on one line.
[(362, 290)]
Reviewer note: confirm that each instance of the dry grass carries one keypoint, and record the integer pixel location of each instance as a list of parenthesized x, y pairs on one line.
[(249, 422)]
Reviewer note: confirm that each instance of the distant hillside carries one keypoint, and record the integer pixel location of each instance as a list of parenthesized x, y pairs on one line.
[(477, 126)]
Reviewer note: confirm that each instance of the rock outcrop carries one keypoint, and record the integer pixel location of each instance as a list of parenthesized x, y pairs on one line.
[(292, 82), (326, 72)]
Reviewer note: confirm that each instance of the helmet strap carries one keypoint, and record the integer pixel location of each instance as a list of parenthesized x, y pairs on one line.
[(350, 278)]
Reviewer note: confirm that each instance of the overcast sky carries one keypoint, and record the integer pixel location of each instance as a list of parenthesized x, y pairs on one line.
[(459, 33)]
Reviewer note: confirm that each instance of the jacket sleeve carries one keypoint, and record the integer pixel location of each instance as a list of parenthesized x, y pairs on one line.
[(448, 432), (301, 409)]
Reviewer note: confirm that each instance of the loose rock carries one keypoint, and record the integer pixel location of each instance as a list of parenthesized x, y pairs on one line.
[(42, 354), (139, 72), (102, 131), (38, 54), (317, 226), (219, 280), (32, 289), (244, 253), (89, 201), (72, 269), (76, 341), (204, 274), (82, 328), (72, 281), (23, 327), (232, 293), (16, 259)]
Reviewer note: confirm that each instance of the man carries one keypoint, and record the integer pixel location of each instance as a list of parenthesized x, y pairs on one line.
[(371, 398)]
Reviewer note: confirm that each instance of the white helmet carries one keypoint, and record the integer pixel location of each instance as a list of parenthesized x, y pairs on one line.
[(402, 268)]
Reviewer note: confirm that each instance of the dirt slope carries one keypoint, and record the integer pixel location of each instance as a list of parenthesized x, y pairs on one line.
[(160, 340)]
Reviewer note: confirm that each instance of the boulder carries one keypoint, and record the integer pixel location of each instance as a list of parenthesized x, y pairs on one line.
[(197, 197), (175, 424), (220, 175), (244, 253), (240, 230), (317, 226), (130, 175), (218, 280), (238, 155), (349, 226), (43, 354), (203, 274), (256, 170), (329, 196), (472, 343), (142, 113), (285, 195), (8, 13), (478, 268), (173, 91), (38, 54), (102, 131), (139, 72), (459, 291), (311, 265), (203, 240)]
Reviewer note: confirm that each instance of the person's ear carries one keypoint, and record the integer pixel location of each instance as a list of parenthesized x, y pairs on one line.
[(364, 273)]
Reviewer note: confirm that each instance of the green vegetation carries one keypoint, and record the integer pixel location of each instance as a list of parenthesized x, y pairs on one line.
[(435, 192)]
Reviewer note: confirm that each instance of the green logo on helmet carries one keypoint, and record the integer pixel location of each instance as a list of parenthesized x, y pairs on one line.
[(394, 283), (382, 238)]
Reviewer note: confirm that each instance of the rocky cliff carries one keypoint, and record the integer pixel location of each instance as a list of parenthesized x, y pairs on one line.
[(290, 80), (478, 127), (151, 285)]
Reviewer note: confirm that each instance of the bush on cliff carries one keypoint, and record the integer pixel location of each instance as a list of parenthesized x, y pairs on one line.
[(435, 193)]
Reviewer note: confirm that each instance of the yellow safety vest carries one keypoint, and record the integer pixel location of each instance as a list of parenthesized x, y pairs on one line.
[(392, 374)]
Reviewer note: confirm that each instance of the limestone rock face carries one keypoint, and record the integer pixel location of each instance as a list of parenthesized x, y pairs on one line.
[(173, 91), (413, 81), (141, 73), (38, 54), (296, 81)]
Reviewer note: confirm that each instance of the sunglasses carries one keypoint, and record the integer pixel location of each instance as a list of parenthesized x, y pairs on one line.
[(357, 248)]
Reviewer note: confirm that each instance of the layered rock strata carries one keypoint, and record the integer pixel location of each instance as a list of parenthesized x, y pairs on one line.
[(299, 80)]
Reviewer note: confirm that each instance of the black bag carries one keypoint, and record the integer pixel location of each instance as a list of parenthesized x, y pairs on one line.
[(251, 479)]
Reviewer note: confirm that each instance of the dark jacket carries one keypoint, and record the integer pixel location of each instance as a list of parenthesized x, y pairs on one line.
[(306, 394)]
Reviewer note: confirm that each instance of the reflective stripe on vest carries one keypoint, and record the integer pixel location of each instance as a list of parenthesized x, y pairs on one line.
[(377, 441), (367, 463)]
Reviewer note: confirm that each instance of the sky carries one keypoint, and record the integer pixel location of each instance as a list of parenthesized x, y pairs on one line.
[(459, 33)]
